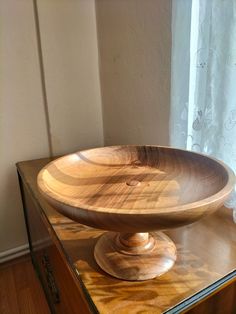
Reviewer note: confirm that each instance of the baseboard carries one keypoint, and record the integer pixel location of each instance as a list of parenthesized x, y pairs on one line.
[(14, 253)]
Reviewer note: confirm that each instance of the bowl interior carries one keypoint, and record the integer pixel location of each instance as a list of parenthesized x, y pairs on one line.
[(132, 177)]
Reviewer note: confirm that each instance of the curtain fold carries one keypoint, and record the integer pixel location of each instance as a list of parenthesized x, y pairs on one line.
[(203, 82)]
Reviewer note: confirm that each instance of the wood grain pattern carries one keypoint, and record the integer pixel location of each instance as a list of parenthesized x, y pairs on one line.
[(135, 189), (221, 302), (206, 253), (176, 187), (199, 264), (154, 259), (20, 290)]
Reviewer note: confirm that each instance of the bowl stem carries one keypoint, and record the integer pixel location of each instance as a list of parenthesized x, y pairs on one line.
[(135, 243), (135, 256)]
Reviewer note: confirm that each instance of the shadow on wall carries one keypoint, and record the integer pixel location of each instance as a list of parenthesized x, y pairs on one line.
[(11, 211)]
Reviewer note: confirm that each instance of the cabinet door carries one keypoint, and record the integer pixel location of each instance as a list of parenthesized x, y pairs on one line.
[(222, 301), (62, 290)]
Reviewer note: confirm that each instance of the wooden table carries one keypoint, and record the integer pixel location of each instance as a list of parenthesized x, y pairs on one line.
[(203, 279)]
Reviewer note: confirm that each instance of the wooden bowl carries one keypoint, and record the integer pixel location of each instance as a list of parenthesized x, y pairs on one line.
[(133, 190)]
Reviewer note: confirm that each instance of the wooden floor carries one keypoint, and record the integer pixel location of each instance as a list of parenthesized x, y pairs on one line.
[(20, 289)]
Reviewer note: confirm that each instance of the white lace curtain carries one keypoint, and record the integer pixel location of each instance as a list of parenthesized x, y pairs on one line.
[(203, 84)]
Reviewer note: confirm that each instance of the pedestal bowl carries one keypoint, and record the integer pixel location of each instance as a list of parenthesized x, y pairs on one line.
[(134, 192)]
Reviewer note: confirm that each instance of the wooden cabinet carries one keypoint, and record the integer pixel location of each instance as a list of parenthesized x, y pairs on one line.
[(202, 280), (62, 288)]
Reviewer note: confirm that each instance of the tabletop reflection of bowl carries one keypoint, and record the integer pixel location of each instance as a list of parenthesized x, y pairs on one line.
[(134, 191)]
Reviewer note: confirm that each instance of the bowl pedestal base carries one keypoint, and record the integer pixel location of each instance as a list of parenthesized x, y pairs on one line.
[(135, 256)]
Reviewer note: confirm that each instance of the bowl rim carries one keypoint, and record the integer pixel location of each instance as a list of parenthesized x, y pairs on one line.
[(220, 195)]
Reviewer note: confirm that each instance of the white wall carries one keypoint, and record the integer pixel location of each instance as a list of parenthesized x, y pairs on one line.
[(70, 55), (134, 48), (22, 121), (135, 52), (69, 46)]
